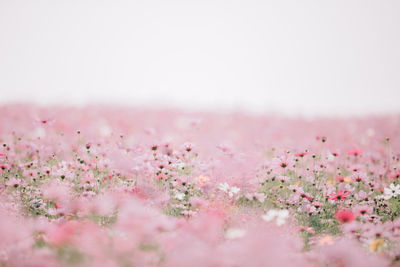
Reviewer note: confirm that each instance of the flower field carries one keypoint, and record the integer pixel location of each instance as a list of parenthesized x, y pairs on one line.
[(115, 186)]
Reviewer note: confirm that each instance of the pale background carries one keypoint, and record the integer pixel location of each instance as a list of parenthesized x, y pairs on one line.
[(338, 57)]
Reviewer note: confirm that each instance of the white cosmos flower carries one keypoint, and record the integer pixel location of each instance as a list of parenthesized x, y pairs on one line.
[(330, 157), (179, 195), (231, 191), (224, 187), (395, 189), (280, 216), (391, 191)]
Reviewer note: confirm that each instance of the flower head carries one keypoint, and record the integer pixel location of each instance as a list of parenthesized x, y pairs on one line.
[(230, 190), (345, 216), (341, 195), (391, 191), (279, 216)]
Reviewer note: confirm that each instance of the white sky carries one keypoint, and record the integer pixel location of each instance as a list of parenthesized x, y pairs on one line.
[(308, 57)]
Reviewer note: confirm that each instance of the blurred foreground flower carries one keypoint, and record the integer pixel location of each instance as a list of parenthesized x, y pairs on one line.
[(345, 216), (279, 216)]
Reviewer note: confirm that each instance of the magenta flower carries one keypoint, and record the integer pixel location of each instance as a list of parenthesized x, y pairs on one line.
[(341, 195), (345, 216)]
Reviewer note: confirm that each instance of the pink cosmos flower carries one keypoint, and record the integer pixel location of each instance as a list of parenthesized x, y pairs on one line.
[(301, 154), (341, 195), (317, 204), (395, 175), (3, 167), (354, 152), (13, 182), (364, 210), (345, 216), (30, 173), (44, 122), (283, 163)]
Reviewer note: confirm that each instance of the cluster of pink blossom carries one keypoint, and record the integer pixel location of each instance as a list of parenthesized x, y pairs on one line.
[(115, 186)]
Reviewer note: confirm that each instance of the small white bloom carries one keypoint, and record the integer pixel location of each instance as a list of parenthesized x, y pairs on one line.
[(235, 189), (391, 191), (179, 195), (224, 187), (234, 233), (280, 216), (271, 214), (231, 191), (330, 157), (180, 165), (395, 189), (379, 197)]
